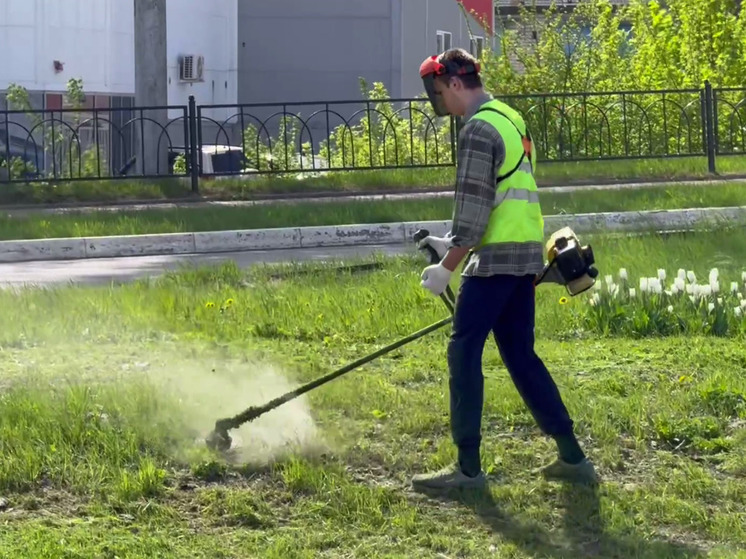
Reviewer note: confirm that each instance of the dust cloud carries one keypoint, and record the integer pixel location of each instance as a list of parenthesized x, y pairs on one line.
[(212, 389)]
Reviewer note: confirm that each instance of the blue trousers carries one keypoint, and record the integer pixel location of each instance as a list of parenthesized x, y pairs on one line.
[(504, 306)]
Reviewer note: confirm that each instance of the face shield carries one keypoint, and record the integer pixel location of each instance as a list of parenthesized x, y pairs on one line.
[(431, 69)]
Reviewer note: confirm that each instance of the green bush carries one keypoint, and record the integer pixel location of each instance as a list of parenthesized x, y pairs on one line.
[(600, 48)]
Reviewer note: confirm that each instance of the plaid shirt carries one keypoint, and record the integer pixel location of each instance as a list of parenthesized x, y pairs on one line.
[(481, 153)]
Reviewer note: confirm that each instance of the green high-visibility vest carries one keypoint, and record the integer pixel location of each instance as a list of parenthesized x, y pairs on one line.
[(516, 215)]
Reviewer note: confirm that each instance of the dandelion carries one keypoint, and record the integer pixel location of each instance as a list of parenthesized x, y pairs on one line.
[(229, 303), (662, 274), (623, 274), (734, 287), (691, 277), (210, 305), (563, 301), (632, 292)]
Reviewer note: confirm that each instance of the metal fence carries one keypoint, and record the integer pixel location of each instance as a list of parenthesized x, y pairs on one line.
[(241, 141)]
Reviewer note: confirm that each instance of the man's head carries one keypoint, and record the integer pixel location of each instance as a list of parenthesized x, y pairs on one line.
[(451, 81)]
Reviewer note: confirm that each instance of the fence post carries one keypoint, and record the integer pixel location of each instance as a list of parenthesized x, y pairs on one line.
[(193, 157), (456, 125), (710, 127)]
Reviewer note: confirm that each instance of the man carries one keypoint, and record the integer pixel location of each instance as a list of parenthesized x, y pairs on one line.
[(497, 221)]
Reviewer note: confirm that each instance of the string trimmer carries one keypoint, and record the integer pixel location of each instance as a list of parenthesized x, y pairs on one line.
[(219, 439)]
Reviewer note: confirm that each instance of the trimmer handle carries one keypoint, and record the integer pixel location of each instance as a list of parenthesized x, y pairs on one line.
[(449, 298), (421, 234)]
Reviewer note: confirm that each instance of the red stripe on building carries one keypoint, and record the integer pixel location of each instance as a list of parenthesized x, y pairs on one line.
[(482, 10)]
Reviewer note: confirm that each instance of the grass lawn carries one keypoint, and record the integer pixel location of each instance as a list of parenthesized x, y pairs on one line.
[(548, 174), (107, 390), (101, 223)]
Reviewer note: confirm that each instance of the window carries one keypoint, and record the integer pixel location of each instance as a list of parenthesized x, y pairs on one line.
[(476, 47), (444, 41)]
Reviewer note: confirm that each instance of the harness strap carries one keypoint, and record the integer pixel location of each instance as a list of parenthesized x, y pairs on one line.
[(526, 138)]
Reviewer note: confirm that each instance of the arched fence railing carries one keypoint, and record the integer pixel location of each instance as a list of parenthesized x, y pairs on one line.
[(245, 140)]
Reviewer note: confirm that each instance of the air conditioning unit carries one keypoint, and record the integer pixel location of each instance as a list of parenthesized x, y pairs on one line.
[(192, 68)]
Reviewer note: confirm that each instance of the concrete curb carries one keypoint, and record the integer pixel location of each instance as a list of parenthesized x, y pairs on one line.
[(341, 235)]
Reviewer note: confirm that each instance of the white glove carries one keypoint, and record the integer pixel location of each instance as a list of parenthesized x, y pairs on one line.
[(440, 244), (435, 278)]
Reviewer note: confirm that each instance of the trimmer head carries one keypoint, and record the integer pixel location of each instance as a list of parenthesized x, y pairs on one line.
[(219, 439)]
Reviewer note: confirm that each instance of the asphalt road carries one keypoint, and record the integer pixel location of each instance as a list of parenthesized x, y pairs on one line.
[(99, 271)]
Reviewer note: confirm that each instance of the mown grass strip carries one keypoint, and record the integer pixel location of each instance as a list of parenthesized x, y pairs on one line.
[(134, 222)]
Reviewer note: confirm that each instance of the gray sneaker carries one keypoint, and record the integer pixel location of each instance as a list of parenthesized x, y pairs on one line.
[(583, 472), (450, 477)]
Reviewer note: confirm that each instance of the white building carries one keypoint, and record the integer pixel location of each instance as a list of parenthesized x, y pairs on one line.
[(47, 42)]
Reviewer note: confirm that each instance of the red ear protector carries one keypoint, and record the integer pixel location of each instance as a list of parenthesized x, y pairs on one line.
[(433, 66)]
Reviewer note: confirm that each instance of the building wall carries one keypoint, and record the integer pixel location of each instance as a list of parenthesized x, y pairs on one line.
[(298, 50), (209, 29), (422, 20), (93, 39)]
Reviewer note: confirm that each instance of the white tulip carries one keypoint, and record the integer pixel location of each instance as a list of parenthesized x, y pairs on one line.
[(661, 274), (734, 287), (692, 299), (623, 274), (682, 274), (680, 285), (597, 286), (743, 304), (711, 307), (652, 282), (643, 285), (691, 277), (670, 308), (737, 311), (715, 286), (720, 300), (632, 292), (714, 275), (609, 280), (743, 277), (674, 289)]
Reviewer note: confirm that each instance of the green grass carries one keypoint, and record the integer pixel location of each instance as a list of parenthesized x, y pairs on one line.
[(101, 223), (548, 174), (105, 391)]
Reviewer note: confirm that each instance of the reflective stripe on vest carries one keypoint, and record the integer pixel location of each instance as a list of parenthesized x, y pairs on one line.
[(516, 214)]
